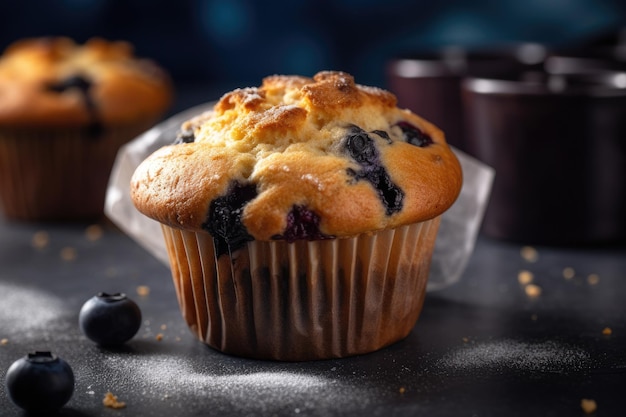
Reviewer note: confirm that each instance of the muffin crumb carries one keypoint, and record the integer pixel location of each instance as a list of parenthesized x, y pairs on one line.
[(525, 277), (159, 337), (4, 341), (143, 290), (40, 239), (529, 254), (532, 290), (568, 272), (111, 401), (589, 406), (607, 331), (94, 232), (593, 279), (68, 254), (402, 390)]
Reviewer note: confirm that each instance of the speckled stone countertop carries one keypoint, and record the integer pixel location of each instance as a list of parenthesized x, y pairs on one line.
[(492, 344)]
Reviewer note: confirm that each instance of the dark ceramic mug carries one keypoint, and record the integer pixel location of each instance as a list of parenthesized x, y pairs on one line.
[(429, 83), (558, 145), (587, 60)]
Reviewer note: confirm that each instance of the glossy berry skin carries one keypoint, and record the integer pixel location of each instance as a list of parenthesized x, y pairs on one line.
[(186, 136), (362, 148), (109, 319), (83, 86), (302, 224), (40, 382), (224, 219), (413, 135)]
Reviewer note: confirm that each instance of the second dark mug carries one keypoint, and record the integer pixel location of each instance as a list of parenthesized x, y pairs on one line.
[(429, 83), (558, 146)]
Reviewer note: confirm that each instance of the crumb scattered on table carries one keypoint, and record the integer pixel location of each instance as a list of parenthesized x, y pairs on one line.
[(525, 277), (607, 331), (94, 232), (143, 290), (111, 401), (68, 253), (532, 290), (40, 239), (568, 272), (4, 341), (588, 406), (529, 254), (159, 337), (593, 279), (402, 390)]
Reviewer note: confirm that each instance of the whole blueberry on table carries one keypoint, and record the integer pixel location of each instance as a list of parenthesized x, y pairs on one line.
[(110, 319), (40, 382)]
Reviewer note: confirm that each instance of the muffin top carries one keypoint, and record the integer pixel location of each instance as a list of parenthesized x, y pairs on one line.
[(299, 158), (55, 82)]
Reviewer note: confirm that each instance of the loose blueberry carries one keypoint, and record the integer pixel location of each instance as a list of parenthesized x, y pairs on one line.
[(40, 382), (413, 135), (224, 219), (302, 224), (362, 149), (109, 319), (186, 136)]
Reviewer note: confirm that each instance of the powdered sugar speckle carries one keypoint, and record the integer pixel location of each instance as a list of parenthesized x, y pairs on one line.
[(24, 310), (161, 375), (550, 356)]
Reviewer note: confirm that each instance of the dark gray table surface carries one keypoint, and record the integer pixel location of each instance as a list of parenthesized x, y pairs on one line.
[(482, 347)]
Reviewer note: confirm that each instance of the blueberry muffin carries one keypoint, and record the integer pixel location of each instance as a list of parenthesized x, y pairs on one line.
[(65, 109), (300, 217)]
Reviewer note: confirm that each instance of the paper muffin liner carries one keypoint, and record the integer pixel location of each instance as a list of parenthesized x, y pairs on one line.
[(58, 175), (304, 300)]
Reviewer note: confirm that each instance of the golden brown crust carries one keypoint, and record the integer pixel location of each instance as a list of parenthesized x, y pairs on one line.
[(288, 138), (123, 88)]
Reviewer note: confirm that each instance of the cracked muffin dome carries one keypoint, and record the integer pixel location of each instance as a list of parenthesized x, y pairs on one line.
[(299, 158), (55, 82)]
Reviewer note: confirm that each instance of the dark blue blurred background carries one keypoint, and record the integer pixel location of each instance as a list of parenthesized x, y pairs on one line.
[(227, 43)]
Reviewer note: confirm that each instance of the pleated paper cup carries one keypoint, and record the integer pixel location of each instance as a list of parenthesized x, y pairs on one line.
[(58, 174), (304, 300)]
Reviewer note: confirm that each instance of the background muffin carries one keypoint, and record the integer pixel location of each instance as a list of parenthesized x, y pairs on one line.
[(65, 109), (300, 217)]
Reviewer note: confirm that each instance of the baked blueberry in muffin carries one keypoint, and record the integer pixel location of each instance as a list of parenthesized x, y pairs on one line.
[(224, 218), (83, 86), (363, 149)]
